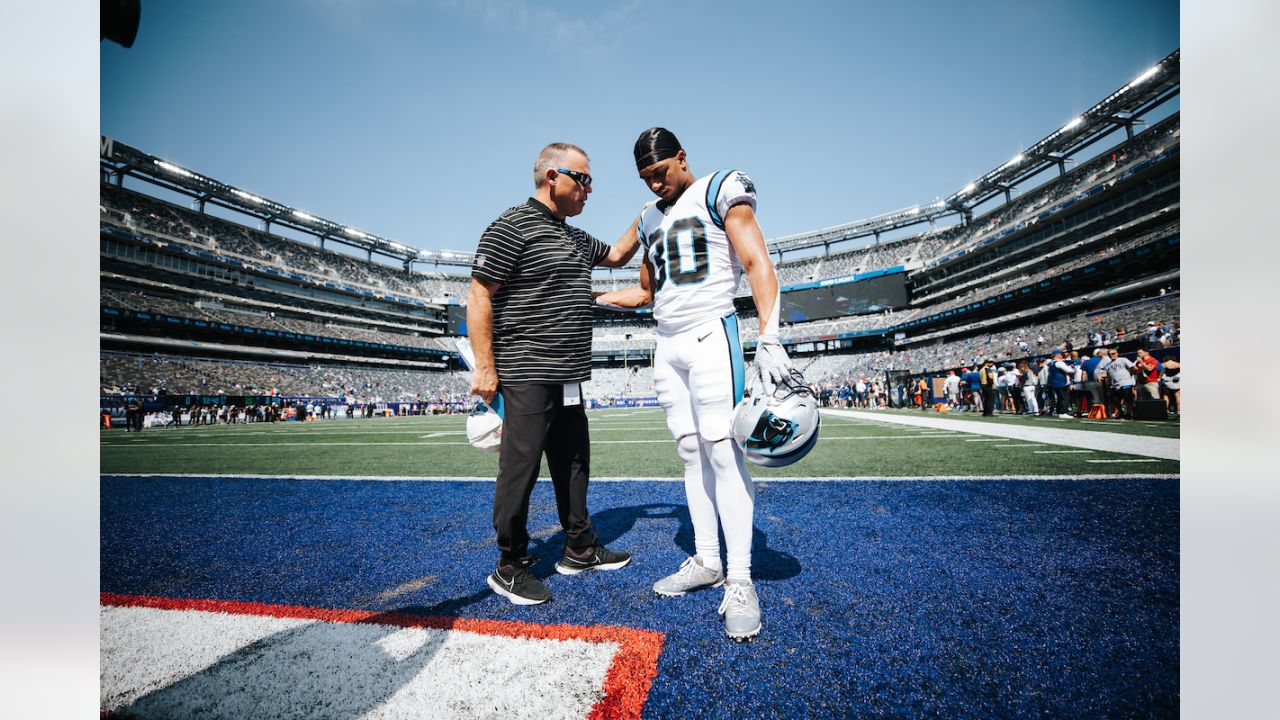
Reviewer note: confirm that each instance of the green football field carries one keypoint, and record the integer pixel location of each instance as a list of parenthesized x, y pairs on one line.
[(625, 444)]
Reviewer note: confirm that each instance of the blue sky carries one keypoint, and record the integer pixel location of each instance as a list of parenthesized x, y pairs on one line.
[(420, 121)]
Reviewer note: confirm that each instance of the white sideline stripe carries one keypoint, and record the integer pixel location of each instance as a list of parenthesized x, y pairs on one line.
[(1059, 452), (1019, 445), (160, 437), (1144, 445), (985, 440), (612, 479), (1125, 460), (187, 663), (324, 443)]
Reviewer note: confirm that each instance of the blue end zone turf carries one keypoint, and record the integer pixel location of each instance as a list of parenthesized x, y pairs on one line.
[(956, 599)]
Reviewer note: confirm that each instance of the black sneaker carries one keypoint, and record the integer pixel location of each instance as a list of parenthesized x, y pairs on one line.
[(598, 557), (517, 584)]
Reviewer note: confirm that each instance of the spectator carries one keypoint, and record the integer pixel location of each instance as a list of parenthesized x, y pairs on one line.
[(1171, 386), (1120, 377), (975, 391), (1060, 374), (1029, 379), (1148, 376), (987, 386), (1090, 369), (951, 386)]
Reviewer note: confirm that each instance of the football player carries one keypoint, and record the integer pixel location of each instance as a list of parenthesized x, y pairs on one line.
[(699, 238)]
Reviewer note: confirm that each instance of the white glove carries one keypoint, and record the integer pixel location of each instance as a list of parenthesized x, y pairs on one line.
[(770, 367)]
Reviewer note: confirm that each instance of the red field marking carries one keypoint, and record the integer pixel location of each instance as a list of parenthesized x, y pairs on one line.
[(626, 684)]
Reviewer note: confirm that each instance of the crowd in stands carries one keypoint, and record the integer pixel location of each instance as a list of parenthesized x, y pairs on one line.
[(1077, 331), (611, 383), (1016, 277), (1021, 361), (1066, 384), (1154, 321), (217, 311), (864, 259), (154, 374), (1102, 169), (924, 247), (643, 336), (139, 212)]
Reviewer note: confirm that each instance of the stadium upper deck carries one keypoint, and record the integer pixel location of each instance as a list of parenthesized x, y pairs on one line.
[(1101, 234)]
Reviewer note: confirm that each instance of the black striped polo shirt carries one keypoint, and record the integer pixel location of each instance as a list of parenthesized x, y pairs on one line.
[(542, 312)]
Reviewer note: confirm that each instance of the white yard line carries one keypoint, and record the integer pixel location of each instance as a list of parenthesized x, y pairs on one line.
[(326, 443), (856, 478), (1146, 445)]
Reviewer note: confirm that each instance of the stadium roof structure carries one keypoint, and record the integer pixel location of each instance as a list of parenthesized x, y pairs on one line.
[(118, 160), (1120, 109)]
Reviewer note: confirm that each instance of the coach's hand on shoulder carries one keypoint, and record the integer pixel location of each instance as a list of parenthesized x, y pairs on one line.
[(484, 382), (770, 367)]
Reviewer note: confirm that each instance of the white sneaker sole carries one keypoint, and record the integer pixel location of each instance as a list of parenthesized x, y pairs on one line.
[(514, 598), (743, 637), (668, 593), (566, 570)]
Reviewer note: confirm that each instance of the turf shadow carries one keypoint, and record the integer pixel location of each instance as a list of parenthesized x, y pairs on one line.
[(450, 607), (300, 672), (613, 523)]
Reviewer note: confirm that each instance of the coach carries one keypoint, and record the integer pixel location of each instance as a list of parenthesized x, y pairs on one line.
[(529, 315)]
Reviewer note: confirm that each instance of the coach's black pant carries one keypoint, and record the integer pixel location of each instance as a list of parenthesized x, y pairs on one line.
[(536, 420)]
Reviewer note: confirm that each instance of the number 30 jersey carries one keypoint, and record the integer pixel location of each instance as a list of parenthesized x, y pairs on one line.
[(696, 270)]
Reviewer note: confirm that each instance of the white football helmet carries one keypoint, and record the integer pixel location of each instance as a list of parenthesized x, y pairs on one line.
[(484, 426), (778, 429)]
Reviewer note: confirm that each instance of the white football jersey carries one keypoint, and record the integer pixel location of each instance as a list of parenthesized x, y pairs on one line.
[(696, 270)]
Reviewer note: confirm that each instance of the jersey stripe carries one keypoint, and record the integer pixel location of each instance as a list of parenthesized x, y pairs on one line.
[(713, 192), (735, 356)]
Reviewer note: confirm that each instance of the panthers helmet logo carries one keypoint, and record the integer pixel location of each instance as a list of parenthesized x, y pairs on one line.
[(771, 432)]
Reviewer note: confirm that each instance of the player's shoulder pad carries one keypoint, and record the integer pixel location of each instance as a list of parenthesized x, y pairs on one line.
[(726, 189)]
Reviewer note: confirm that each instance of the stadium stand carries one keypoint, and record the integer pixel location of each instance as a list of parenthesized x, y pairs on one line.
[(195, 304), (158, 374)]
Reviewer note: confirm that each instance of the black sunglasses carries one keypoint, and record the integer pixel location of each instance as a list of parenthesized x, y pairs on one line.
[(583, 179)]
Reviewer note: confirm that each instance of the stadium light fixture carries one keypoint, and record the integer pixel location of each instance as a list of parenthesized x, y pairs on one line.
[(1075, 122), (303, 216), (1015, 160), (247, 196), (356, 233), (967, 189), (174, 169), (1146, 75)]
